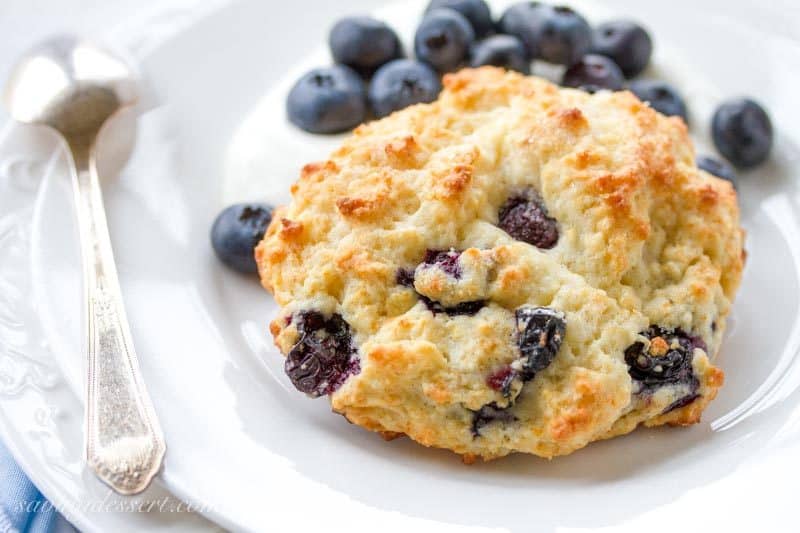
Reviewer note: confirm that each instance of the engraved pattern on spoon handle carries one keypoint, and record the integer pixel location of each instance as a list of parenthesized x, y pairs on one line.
[(124, 443)]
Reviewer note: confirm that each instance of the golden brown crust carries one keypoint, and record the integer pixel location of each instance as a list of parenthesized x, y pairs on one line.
[(645, 239)]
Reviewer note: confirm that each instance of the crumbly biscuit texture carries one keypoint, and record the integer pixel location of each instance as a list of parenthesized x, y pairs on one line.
[(514, 267)]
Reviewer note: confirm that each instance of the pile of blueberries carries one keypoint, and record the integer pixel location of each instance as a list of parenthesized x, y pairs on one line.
[(372, 78)]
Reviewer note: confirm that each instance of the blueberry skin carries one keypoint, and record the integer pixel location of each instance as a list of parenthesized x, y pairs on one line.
[(443, 39), (477, 13), (236, 232), (401, 83), (501, 51), (324, 356), (556, 34), (661, 96), (654, 371), (487, 414), (445, 260), (593, 73), (363, 43), (541, 332), (327, 100), (627, 43), (524, 216), (742, 132), (718, 168), (514, 21)]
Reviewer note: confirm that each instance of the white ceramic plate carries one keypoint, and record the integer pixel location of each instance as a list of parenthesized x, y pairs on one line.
[(257, 454)]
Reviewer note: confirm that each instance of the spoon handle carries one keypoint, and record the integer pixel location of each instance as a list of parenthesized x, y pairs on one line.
[(124, 443)]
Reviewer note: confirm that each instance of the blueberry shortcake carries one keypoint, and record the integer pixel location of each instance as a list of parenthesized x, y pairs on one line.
[(514, 267)]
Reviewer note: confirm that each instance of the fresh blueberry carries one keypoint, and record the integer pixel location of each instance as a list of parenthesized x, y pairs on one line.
[(541, 332), (524, 217), (236, 232), (556, 34), (327, 100), (516, 21), (593, 73), (324, 356), (667, 361), (661, 96), (718, 168), (501, 51), (401, 83), (363, 43), (626, 43), (487, 414), (476, 11), (742, 132), (443, 39)]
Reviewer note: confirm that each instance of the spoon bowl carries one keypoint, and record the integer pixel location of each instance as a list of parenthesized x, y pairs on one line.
[(70, 85)]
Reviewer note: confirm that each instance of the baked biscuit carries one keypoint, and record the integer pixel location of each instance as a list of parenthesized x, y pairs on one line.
[(514, 267)]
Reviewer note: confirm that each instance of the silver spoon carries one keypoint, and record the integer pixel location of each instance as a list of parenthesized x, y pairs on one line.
[(74, 88)]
